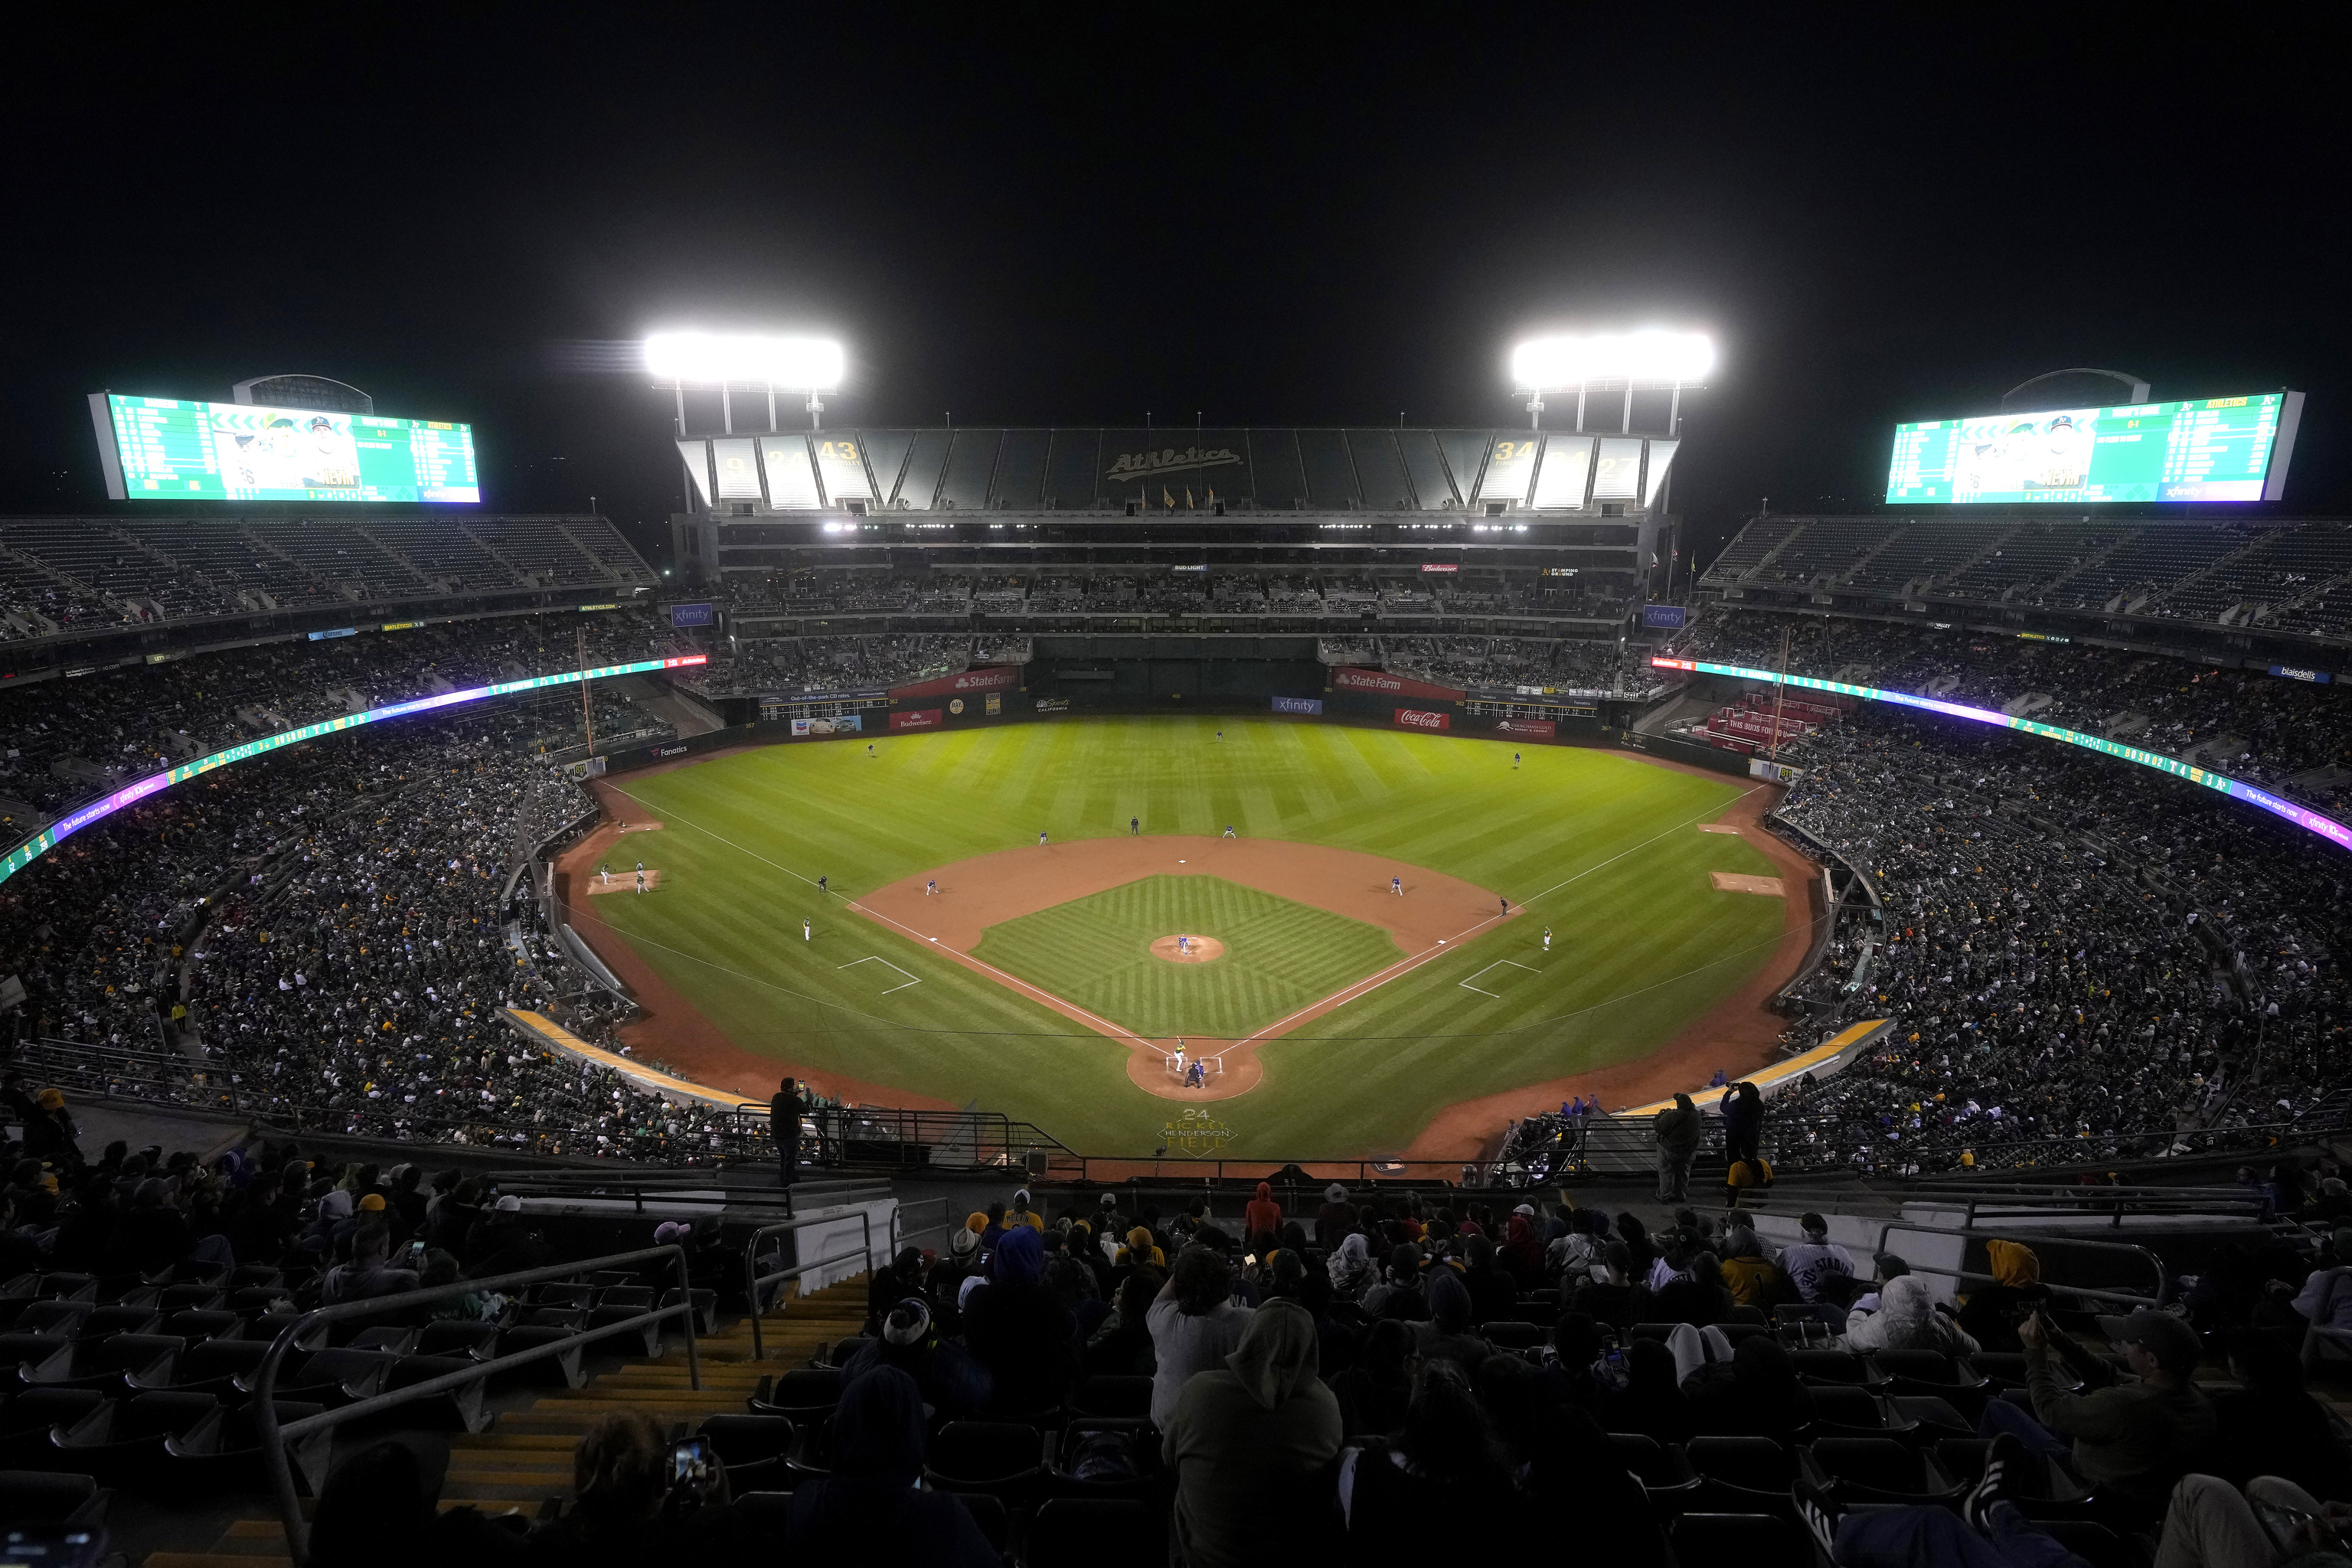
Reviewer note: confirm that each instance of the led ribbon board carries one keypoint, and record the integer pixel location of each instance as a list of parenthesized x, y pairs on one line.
[(47, 839), (2327, 827)]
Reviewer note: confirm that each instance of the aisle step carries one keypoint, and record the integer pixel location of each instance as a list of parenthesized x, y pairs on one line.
[(526, 1457)]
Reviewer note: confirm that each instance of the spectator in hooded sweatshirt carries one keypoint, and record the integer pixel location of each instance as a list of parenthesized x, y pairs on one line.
[(1017, 1330), (1991, 1314), (1262, 1219), (872, 1509), (1399, 1293), (1247, 1444), (1907, 1319)]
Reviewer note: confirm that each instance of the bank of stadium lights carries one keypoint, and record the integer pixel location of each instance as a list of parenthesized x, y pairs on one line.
[(729, 359), (1587, 361)]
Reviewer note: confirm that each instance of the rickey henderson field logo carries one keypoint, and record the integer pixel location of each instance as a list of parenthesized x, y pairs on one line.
[(1195, 1134)]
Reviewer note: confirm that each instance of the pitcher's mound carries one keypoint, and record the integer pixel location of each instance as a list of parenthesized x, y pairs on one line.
[(1197, 949)]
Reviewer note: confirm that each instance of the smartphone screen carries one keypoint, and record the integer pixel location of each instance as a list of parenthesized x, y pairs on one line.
[(691, 1461)]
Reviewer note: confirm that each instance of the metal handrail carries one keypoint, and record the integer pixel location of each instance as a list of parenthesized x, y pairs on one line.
[(273, 1437), (753, 1279), (899, 1212), (2154, 1263)]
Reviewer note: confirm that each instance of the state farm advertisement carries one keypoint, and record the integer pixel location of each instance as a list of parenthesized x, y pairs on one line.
[(999, 677), (917, 719), (1422, 719), (1533, 729), (1380, 681)]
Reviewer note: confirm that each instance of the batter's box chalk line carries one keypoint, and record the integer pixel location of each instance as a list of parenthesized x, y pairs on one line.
[(1498, 963), (877, 958)]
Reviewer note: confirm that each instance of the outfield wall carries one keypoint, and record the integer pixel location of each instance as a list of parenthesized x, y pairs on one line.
[(1605, 722)]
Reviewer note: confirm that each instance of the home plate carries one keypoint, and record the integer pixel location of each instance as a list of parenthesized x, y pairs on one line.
[(1733, 882), (623, 882)]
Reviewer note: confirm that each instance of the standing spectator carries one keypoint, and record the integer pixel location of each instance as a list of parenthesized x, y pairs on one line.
[(1447, 1335), (1742, 1109), (50, 1133), (1262, 1219), (1247, 1444), (784, 1127), (1194, 1325), (1677, 1130)]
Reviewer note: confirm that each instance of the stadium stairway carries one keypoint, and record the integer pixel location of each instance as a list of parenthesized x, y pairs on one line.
[(525, 1458)]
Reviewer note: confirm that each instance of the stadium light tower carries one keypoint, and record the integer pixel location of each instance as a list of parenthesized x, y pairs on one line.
[(727, 361), (1651, 358)]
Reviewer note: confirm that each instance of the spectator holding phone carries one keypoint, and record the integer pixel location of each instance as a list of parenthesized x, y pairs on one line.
[(2131, 1439)]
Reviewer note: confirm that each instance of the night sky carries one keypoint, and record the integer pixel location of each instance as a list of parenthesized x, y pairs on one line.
[(1027, 215)]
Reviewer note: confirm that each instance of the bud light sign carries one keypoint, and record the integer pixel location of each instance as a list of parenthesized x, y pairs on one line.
[(1298, 705), (1667, 615)]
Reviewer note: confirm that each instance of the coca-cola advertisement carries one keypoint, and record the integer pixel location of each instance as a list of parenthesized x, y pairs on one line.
[(1422, 719)]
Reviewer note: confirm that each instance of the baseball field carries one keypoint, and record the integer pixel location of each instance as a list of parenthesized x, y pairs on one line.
[(1347, 965)]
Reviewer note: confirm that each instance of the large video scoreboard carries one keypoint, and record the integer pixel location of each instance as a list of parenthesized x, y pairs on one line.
[(2205, 450), (155, 448)]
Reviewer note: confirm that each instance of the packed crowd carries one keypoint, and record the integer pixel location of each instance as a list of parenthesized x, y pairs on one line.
[(2291, 736), (63, 740), (83, 574), (2080, 958), (1492, 663), (317, 938), (1216, 590)]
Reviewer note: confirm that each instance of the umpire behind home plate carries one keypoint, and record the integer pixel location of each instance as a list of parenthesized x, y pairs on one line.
[(784, 1127)]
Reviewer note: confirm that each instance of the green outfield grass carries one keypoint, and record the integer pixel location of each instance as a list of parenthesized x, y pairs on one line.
[(1601, 846), (1096, 951)]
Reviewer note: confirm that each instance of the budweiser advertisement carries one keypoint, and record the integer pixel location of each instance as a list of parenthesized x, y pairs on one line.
[(1422, 718), (1000, 678), (1387, 685), (1533, 729), (917, 719)]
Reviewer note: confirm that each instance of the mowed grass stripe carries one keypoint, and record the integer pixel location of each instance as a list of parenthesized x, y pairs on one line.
[(1279, 955), (727, 931)]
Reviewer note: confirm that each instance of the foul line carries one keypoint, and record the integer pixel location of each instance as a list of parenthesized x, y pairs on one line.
[(1337, 999), (1363, 988)]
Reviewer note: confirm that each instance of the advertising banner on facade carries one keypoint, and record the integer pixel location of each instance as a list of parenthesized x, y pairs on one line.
[(1381, 681), (1298, 705), (1000, 678), (917, 719), (1669, 615), (1422, 719), (689, 614), (839, 724), (1533, 729)]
